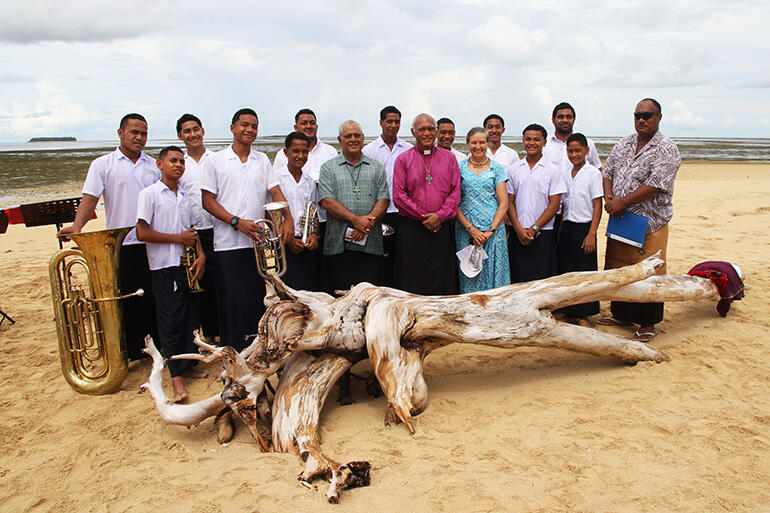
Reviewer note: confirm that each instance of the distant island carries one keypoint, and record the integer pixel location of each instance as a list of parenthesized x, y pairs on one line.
[(53, 139)]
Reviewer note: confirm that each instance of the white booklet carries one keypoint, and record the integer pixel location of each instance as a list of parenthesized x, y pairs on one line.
[(349, 234)]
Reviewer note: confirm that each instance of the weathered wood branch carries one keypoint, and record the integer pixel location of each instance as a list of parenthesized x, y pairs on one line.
[(397, 330)]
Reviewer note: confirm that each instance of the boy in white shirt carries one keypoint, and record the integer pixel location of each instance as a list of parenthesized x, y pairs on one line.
[(164, 222), (303, 259), (535, 187), (576, 241)]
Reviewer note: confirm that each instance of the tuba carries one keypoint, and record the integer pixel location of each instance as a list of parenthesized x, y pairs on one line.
[(89, 321), (269, 251), (309, 219)]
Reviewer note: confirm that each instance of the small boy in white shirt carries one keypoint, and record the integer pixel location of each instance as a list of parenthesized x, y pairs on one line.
[(164, 222), (576, 242)]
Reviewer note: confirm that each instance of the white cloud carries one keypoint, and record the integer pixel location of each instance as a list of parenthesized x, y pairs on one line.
[(682, 117), (83, 20), (509, 41), (52, 113)]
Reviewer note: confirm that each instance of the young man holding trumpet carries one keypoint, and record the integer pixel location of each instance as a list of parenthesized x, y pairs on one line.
[(164, 223)]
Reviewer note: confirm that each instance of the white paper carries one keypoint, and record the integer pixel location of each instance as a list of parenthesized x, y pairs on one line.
[(349, 233)]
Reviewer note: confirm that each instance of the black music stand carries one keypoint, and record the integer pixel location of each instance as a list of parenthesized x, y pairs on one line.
[(3, 228), (55, 212)]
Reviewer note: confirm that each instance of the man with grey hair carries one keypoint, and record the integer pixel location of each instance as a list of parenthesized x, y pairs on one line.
[(426, 190), (353, 189)]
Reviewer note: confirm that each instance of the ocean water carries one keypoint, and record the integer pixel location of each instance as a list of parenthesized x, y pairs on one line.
[(30, 171)]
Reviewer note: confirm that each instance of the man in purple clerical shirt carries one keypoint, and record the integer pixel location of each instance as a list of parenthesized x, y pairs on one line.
[(426, 191)]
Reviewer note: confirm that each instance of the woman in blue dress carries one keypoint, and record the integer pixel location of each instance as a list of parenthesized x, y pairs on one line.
[(483, 205)]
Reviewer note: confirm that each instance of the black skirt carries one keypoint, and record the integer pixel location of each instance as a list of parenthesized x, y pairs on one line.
[(533, 262), (571, 258), (241, 296), (425, 261)]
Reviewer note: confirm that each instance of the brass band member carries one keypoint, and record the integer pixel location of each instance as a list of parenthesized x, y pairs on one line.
[(120, 176), (190, 131), (164, 222), (303, 259), (237, 182)]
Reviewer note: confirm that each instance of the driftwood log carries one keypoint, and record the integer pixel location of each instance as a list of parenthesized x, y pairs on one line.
[(313, 338)]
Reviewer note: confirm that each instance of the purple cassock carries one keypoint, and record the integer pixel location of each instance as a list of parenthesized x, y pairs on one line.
[(425, 261)]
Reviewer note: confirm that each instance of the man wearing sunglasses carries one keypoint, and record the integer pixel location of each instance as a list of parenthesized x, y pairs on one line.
[(639, 177)]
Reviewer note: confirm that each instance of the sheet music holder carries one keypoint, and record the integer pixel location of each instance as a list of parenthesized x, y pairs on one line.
[(55, 212), (629, 229)]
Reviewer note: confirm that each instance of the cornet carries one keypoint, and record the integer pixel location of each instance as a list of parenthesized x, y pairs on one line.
[(189, 255), (269, 251), (309, 219)]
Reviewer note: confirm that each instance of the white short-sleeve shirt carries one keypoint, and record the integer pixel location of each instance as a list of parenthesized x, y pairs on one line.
[(165, 212), (533, 188), (191, 184), (505, 155), (320, 153), (460, 156), (379, 151), (241, 188), (556, 151), (120, 180), (297, 193), (586, 186)]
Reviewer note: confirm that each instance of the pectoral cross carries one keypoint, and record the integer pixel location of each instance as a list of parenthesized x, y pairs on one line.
[(356, 190), (428, 178)]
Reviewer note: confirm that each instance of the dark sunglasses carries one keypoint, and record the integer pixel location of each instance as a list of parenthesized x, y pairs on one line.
[(644, 115)]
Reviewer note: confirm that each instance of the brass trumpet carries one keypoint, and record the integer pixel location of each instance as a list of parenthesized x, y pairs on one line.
[(270, 251), (309, 219), (189, 255), (89, 321)]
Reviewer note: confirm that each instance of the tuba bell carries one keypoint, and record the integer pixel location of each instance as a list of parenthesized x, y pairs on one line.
[(89, 321), (309, 219), (269, 251)]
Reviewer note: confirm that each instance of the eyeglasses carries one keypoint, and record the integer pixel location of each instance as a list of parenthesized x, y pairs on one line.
[(644, 115), (425, 129)]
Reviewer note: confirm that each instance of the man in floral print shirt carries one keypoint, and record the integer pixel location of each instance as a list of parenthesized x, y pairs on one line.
[(639, 177)]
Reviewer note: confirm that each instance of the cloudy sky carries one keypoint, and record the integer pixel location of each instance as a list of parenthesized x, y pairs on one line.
[(75, 67)]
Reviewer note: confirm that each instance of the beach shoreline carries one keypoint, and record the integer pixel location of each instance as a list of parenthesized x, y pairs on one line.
[(525, 430)]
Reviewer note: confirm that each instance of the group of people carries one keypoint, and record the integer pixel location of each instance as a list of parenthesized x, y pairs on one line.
[(422, 217)]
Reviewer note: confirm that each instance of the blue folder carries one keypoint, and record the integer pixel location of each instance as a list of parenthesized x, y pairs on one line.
[(629, 229)]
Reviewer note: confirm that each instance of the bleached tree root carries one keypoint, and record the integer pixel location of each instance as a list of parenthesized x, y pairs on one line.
[(181, 414), (397, 330), (305, 384)]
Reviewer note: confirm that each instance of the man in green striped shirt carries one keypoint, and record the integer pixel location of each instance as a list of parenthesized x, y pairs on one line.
[(353, 189)]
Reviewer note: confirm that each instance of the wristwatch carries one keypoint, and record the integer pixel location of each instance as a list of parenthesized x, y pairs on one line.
[(234, 222), (536, 229)]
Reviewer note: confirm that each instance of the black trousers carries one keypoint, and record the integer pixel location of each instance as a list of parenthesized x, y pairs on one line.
[(209, 303), (241, 296), (533, 262), (351, 267), (177, 312), (303, 270), (139, 319), (389, 243), (571, 257)]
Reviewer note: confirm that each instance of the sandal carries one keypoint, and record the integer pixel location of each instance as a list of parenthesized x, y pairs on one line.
[(644, 336), (611, 321)]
